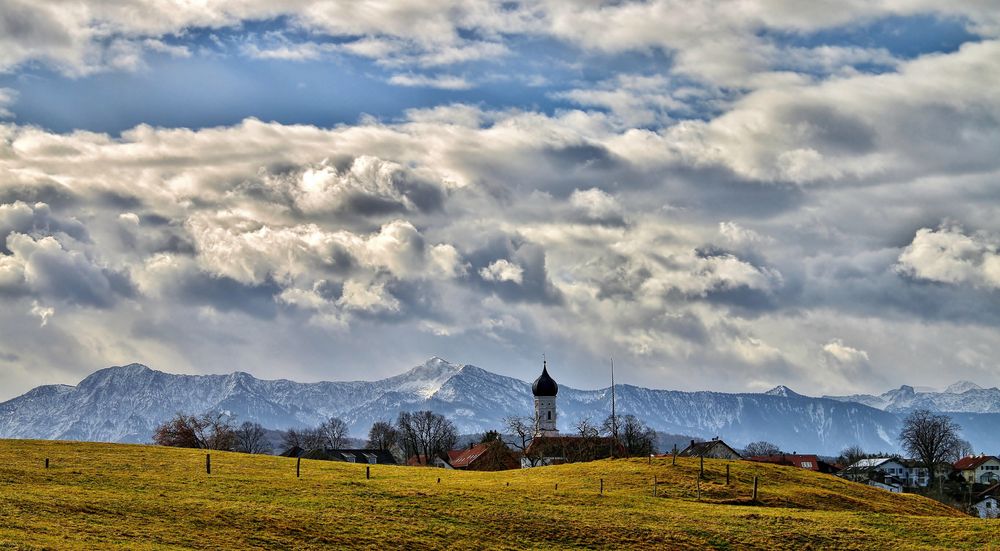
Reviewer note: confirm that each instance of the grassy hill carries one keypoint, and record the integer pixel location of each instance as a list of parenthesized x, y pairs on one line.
[(107, 495)]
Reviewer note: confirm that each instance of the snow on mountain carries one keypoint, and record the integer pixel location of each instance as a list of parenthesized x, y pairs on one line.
[(961, 397), (124, 404), (961, 387), (781, 390)]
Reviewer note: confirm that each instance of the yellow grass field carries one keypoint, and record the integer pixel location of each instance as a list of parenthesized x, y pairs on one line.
[(99, 496)]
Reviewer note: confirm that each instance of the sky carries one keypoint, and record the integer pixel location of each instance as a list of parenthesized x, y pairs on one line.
[(722, 195)]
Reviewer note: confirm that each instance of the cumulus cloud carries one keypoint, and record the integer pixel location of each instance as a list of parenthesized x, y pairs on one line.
[(369, 186), (948, 255), (729, 201), (43, 267), (597, 205), (502, 270)]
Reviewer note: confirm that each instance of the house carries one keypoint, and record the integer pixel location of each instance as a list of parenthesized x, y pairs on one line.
[(808, 462), (368, 456), (420, 460), (487, 456), (987, 507), (889, 471), (893, 471), (979, 469), (714, 448), (893, 487)]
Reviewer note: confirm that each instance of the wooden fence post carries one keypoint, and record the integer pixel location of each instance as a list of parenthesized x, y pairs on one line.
[(654, 485), (755, 488), (602, 486), (674, 462), (701, 470), (298, 467), (368, 472), (208, 463), (46, 462), (557, 485), (439, 480), (727, 474)]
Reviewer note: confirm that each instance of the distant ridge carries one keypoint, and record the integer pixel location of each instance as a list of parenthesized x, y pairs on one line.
[(124, 404)]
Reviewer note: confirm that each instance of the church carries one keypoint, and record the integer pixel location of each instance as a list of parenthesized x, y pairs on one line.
[(545, 389), (548, 447)]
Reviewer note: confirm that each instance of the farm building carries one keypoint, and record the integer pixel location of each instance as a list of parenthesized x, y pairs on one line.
[(714, 448), (487, 456), (369, 456)]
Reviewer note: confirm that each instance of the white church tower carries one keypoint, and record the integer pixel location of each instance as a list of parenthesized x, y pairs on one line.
[(545, 389)]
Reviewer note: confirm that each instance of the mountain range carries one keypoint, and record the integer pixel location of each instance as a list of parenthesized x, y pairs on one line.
[(124, 404)]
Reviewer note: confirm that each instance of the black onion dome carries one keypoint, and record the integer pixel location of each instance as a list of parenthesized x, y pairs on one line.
[(544, 385)]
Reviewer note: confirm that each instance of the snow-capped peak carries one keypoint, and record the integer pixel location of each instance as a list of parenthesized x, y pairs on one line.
[(962, 387), (424, 380), (782, 390)]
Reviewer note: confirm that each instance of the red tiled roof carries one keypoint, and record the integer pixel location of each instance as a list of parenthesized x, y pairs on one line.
[(810, 462), (463, 458), (972, 462)]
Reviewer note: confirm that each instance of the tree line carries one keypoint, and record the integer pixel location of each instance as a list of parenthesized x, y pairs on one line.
[(422, 434)]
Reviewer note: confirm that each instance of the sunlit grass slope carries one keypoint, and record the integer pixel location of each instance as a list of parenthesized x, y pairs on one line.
[(97, 496)]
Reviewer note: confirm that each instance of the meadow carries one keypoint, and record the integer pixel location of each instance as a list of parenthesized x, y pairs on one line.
[(146, 497)]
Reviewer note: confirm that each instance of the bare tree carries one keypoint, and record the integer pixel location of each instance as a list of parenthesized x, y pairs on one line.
[(382, 436), (761, 447), (333, 433), (635, 436), (586, 429), (216, 431), (931, 438), (523, 430), (425, 433), (964, 449), (851, 455), (213, 431), (251, 438), (178, 432), (306, 439), (291, 439)]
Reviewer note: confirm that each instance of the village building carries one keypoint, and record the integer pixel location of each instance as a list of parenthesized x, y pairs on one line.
[(987, 507), (368, 456), (421, 460), (979, 469), (486, 456), (713, 449), (808, 462), (888, 472), (545, 390), (548, 447)]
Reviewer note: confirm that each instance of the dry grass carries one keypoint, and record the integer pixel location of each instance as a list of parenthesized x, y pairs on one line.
[(142, 497)]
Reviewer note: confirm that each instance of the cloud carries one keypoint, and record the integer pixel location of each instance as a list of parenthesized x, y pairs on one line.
[(597, 206), (502, 270), (8, 96), (948, 255), (43, 267), (370, 186), (444, 82), (44, 313)]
